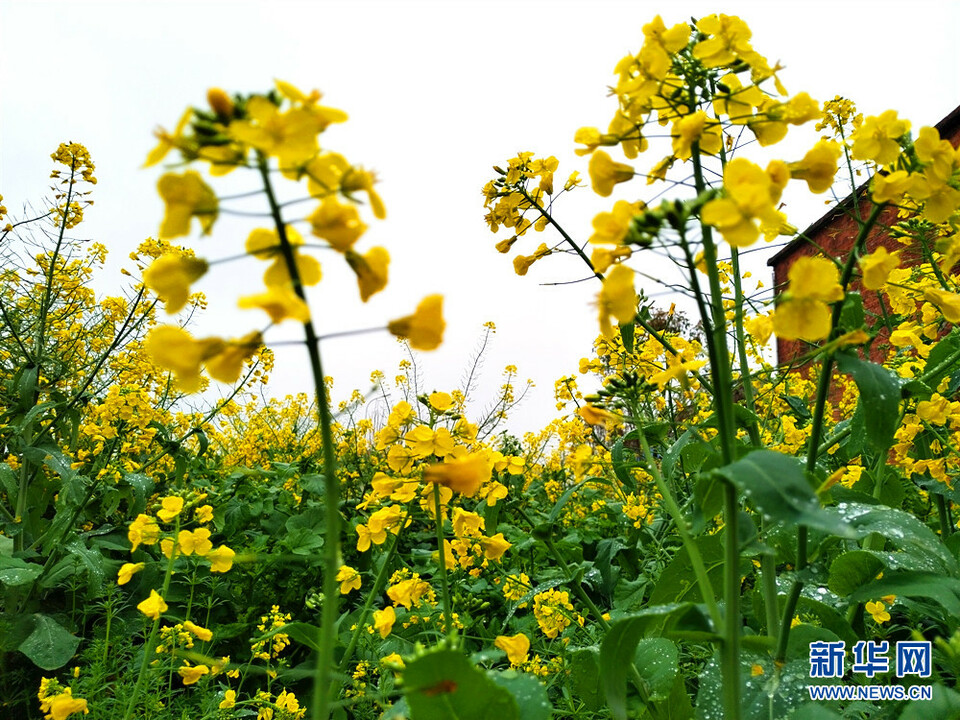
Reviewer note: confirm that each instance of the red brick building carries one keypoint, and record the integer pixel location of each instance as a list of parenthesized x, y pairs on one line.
[(834, 234)]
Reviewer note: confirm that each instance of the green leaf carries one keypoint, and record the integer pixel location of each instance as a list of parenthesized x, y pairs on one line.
[(879, 397), (656, 660), (626, 335), (945, 703), (851, 570), (771, 694), (678, 583), (851, 314), (304, 633), (15, 572), (620, 644), (528, 693), (561, 501), (929, 586), (777, 486), (583, 681), (901, 530), (50, 646), (607, 550), (442, 684)]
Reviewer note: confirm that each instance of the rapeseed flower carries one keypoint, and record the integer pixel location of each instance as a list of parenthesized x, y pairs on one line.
[(424, 329)]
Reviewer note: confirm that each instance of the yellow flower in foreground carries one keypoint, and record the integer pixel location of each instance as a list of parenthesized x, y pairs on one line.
[(192, 673), (440, 401), (948, 302), (337, 223), (229, 700), (63, 705), (878, 611), (464, 476), (617, 298), (227, 364), (201, 633), (756, 670), (186, 196), (876, 138), (605, 173), (171, 507), (221, 559), (877, 266), (348, 578), (804, 314), (174, 349), (424, 329), (279, 302), (383, 620), (153, 606), (516, 647), (264, 244), (819, 166), (371, 270), (494, 547), (143, 530), (170, 276), (127, 571), (696, 127)]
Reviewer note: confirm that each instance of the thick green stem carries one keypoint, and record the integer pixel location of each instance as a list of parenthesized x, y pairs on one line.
[(723, 396), (320, 703)]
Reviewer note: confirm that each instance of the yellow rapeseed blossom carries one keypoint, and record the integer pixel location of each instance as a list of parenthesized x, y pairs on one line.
[(371, 270), (279, 302), (127, 571), (170, 507), (464, 475), (264, 244), (878, 612), (383, 620), (517, 647), (153, 606), (337, 223), (877, 266), (192, 673), (221, 559), (605, 173), (201, 633), (819, 166), (803, 312), (877, 138), (617, 298), (186, 196), (170, 276), (348, 578), (424, 329)]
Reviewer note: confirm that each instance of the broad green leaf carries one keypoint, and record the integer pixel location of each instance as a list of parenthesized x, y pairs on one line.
[(851, 570), (620, 467), (945, 703), (879, 397), (851, 314), (901, 530), (444, 685), (620, 645), (626, 335), (777, 486), (607, 550), (15, 572), (940, 589), (770, 694), (656, 661), (678, 583), (939, 363), (528, 693), (50, 646), (583, 680)]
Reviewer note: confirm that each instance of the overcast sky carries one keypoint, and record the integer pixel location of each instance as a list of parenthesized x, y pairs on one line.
[(437, 93)]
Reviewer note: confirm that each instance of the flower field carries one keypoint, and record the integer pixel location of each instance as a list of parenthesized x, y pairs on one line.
[(699, 532)]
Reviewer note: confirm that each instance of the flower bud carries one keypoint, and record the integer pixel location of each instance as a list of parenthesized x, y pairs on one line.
[(220, 102)]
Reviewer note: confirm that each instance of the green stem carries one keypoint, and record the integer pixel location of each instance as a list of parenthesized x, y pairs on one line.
[(722, 383), (442, 560), (378, 584), (320, 702), (696, 559), (149, 649)]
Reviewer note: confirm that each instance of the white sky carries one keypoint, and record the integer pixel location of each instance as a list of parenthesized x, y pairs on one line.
[(437, 93)]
